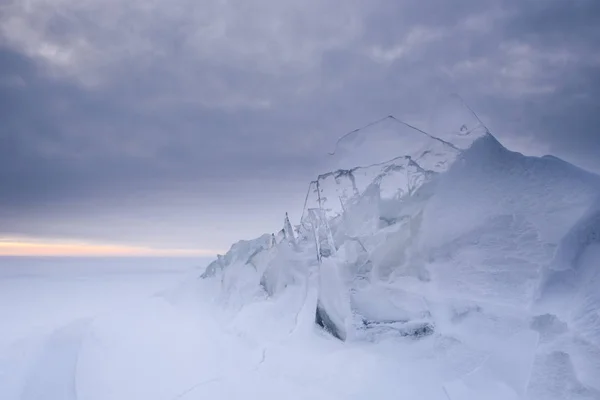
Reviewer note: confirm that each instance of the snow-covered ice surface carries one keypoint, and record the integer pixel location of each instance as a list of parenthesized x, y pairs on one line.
[(49, 309), (151, 333), (438, 265)]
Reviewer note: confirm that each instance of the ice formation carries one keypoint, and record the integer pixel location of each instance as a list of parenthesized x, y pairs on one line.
[(442, 232)]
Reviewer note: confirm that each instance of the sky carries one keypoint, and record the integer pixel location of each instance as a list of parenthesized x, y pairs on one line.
[(182, 126)]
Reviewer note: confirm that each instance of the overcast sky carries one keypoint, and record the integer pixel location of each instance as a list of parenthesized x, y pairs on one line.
[(188, 123)]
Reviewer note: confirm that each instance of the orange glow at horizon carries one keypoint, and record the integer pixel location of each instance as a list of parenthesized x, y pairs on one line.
[(27, 247)]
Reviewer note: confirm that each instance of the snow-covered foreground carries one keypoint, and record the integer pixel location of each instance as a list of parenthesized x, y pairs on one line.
[(50, 309), (155, 334)]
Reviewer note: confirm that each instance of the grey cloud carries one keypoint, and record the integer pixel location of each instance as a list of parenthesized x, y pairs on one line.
[(556, 22), (175, 100)]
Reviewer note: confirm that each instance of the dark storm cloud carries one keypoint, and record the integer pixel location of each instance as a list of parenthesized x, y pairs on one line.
[(567, 118), (112, 108), (58, 138)]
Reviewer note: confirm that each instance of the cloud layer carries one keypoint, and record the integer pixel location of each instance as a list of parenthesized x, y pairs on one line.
[(196, 123)]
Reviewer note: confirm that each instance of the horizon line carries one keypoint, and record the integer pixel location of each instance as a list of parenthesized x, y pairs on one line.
[(34, 247)]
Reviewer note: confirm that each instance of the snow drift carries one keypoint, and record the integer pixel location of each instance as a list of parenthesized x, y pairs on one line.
[(442, 234)]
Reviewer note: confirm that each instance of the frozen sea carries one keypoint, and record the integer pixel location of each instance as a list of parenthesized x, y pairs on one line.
[(51, 307), (125, 329)]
